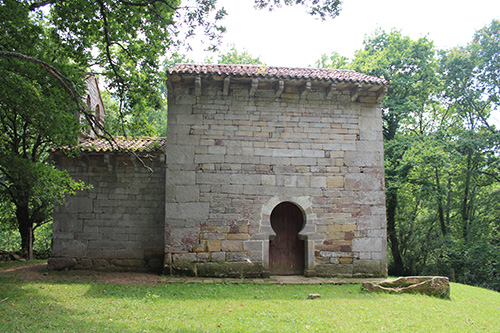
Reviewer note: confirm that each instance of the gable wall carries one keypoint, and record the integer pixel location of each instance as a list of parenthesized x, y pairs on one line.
[(232, 158)]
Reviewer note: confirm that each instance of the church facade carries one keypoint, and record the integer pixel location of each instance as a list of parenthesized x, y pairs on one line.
[(265, 171)]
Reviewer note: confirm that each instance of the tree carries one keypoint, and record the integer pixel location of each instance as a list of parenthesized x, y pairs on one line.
[(333, 61), (148, 122), (46, 49), (233, 56), (321, 8), (409, 66), (441, 154)]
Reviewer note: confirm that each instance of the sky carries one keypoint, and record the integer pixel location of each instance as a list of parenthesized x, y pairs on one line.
[(289, 37), (292, 38)]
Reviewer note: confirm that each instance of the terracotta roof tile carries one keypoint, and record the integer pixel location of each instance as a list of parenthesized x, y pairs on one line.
[(137, 144), (257, 71)]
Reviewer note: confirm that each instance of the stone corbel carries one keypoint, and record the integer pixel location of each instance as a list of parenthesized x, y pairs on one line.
[(355, 93), (225, 91), (197, 86), (108, 163), (305, 89), (381, 93), (330, 91), (279, 89), (135, 162), (253, 87), (169, 85)]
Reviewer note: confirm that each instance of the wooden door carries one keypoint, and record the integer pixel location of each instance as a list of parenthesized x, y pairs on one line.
[(286, 250)]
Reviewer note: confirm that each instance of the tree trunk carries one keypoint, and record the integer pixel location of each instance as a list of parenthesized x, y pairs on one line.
[(392, 203), (440, 204), (448, 201), (25, 227), (465, 206)]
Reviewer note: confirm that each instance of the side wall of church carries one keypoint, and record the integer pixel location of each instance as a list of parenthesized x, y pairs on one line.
[(119, 223), (233, 157)]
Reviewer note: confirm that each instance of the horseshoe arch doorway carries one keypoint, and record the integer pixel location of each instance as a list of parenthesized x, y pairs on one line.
[(286, 250)]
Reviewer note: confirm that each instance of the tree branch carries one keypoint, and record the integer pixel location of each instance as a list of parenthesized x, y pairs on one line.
[(49, 68), (108, 44), (148, 3), (67, 84), (497, 178), (36, 5)]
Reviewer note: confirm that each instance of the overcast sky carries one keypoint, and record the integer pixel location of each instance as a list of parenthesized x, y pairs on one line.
[(291, 37)]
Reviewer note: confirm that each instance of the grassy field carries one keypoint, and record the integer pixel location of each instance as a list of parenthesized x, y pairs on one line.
[(69, 302)]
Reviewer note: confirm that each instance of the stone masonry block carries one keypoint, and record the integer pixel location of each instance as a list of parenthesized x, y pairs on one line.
[(318, 181), (268, 180), (367, 244), (213, 245), (364, 182), (187, 210), (336, 181), (369, 197), (371, 222), (232, 245), (218, 256), (238, 236), (180, 177), (217, 150), (186, 193), (180, 154), (78, 204), (363, 159)]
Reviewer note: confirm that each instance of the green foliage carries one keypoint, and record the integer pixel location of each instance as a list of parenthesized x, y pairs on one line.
[(474, 263), (150, 122), (47, 47), (29, 184), (233, 56), (321, 8), (441, 154), (333, 61), (10, 240)]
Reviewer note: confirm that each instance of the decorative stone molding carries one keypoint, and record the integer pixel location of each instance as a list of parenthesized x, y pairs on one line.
[(226, 86), (197, 86), (253, 87), (279, 89)]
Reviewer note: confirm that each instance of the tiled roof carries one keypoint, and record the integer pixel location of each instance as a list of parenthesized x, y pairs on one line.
[(261, 71), (137, 144)]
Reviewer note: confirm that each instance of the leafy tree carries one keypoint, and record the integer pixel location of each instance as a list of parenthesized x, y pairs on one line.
[(150, 122), (441, 154), (409, 66), (321, 8), (46, 49), (233, 56), (333, 61)]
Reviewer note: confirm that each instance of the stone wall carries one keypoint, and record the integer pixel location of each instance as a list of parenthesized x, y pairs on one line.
[(235, 152), (119, 223)]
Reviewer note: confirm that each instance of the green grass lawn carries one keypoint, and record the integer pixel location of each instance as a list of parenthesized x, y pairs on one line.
[(62, 304)]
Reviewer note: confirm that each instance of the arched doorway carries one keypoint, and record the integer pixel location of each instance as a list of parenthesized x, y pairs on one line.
[(286, 250)]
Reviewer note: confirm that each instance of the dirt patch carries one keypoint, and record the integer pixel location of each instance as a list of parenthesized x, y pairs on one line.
[(37, 272)]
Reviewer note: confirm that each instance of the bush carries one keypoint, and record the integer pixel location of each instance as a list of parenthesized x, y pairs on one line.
[(474, 263), (10, 240)]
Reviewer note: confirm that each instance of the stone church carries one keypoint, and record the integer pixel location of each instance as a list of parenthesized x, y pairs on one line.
[(264, 171)]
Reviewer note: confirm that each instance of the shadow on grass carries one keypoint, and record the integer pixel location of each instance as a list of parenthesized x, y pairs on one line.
[(26, 307), (242, 290), (213, 291)]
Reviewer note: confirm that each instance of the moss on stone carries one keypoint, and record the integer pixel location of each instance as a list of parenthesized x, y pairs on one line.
[(183, 267)]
